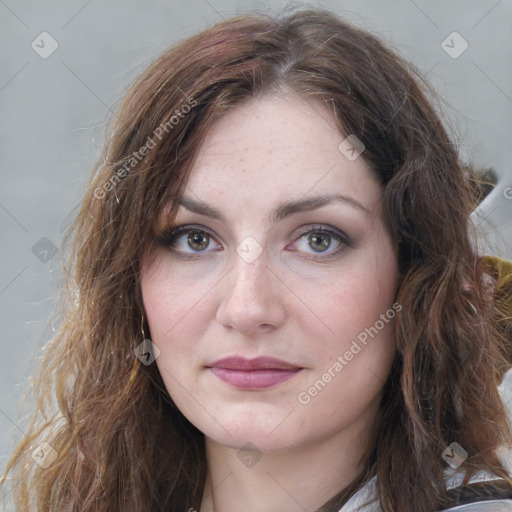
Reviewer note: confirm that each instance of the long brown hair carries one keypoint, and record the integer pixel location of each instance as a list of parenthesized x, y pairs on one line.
[(120, 443)]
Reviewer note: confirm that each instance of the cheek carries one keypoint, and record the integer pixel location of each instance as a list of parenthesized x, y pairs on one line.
[(358, 313), (355, 302), (174, 300), (179, 308), (352, 363), (173, 311)]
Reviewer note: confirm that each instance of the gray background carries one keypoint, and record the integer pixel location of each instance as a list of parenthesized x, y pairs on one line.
[(53, 111)]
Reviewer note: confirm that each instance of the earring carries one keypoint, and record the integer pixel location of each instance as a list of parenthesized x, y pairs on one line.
[(148, 351), (138, 353), (473, 308), (143, 343), (142, 327)]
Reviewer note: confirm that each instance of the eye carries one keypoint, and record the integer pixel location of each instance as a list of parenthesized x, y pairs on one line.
[(191, 241), (186, 240), (322, 241)]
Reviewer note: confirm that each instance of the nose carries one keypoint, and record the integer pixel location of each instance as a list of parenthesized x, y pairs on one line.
[(253, 298)]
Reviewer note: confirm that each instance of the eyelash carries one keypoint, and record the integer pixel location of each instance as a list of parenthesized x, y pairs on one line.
[(168, 237)]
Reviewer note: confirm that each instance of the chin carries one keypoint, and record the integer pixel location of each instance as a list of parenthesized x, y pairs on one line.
[(252, 440), (263, 427)]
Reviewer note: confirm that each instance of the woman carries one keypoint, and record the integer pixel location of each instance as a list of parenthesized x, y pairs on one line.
[(272, 300)]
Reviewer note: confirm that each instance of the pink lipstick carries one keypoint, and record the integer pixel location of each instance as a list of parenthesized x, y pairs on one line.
[(253, 374)]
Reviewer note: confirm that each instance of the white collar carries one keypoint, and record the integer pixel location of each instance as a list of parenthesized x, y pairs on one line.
[(453, 479)]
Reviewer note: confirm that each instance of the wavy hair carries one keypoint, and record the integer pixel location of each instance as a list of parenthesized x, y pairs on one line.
[(118, 441)]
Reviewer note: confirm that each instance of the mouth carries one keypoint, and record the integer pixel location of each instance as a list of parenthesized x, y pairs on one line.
[(253, 374)]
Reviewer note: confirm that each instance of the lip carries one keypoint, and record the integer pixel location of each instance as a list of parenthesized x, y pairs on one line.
[(253, 374)]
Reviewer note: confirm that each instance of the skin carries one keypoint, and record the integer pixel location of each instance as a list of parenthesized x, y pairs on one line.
[(297, 301)]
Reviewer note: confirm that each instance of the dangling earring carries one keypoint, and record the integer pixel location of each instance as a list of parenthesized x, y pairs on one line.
[(138, 353), (142, 327), (147, 351), (141, 351)]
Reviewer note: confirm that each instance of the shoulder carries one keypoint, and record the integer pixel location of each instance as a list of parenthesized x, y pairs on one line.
[(483, 506), (453, 482), (485, 492)]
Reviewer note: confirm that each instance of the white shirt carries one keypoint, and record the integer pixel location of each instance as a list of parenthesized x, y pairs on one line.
[(453, 479)]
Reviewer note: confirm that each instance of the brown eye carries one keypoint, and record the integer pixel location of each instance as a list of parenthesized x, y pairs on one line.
[(188, 241), (198, 240), (319, 242)]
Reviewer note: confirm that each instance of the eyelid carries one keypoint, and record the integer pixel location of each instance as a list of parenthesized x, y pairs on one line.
[(177, 228), (321, 227), (169, 235), (343, 239)]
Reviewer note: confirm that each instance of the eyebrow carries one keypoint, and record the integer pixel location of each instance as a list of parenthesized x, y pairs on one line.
[(282, 211)]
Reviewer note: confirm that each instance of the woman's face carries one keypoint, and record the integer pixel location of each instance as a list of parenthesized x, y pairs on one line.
[(272, 307)]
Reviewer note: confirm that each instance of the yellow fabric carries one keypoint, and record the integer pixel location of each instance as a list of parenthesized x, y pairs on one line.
[(503, 298), (503, 270)]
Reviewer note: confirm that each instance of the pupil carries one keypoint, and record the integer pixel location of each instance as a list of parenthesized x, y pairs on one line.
[(321, 240), (196, 239)]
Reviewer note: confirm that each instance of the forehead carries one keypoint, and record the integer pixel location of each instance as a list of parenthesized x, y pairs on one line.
[(277, 148)]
